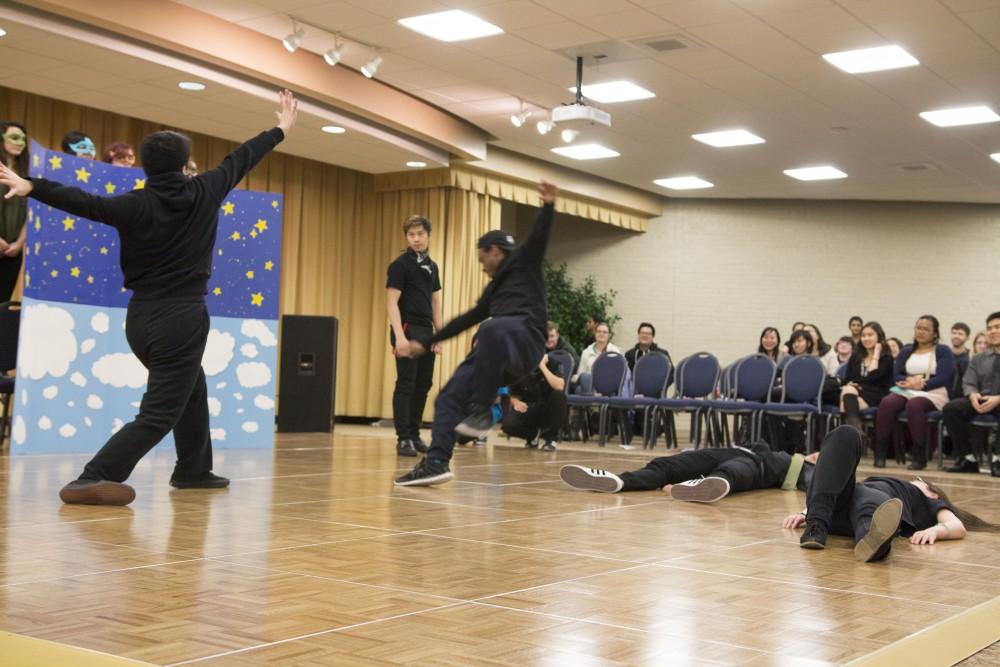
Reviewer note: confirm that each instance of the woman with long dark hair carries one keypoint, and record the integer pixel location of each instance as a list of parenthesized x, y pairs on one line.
[(869, 374), (924, 373), (13, 211), (770, 344), (823, 351)]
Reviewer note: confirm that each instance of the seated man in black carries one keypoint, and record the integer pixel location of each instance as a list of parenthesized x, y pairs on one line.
[(538, 406)]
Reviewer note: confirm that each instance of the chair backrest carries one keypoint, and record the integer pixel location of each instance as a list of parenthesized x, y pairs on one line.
[(727, 381), (566, 364), (609, 374), (754, 378), (803, 380), (10, 325), (697, 376), (649, 379)]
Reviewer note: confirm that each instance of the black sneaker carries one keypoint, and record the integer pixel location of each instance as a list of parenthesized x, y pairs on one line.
[(206, 480), (405, 448), (877, 541), (420, 445), (425, 473), (995, 468), (96, 492), (965, 465), (477, 424), (814, 536)]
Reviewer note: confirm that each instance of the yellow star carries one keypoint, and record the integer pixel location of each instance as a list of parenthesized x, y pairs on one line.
[(104, 250), (83, 175), (54, 273), (261, 225), (75, 272), (38, 247), (31, 212), (68, 224), (69, 258), (236, 236), (268, 265), (249, 275), (27, 280), (257, 298), (253, 233), (220, 252), (217, 291), (34, 159), (109, 188), (90, 279), (274, 204), (140, 183), (38, 225), (228, 208), (55, 162)]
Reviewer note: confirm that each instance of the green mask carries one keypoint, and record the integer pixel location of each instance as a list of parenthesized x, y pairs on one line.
[(15, 137)]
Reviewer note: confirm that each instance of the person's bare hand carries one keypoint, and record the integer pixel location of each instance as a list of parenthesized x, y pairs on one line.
[(928, 536), (12, 249), (544, 362), (518, 405), (417, 349), (17, 186), (288, 112), (793, 521), (812, 458), (437, 348), (402, 348), (547, 191), (3, 245), (988, 404)]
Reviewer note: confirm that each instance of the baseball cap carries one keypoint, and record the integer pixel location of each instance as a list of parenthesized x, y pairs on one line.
[(497, 237)]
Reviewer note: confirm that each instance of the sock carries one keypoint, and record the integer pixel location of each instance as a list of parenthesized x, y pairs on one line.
[(970, 457)]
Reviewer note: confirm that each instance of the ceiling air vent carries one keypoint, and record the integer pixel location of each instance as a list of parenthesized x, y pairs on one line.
[(916, 167), (667, 43)]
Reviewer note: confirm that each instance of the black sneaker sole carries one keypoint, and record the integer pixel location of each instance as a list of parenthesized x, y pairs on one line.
[(208, 484), (885, 524), (98, 493), (710, 490), (427, 481), (406, 452), (579, 478), (812, 544)]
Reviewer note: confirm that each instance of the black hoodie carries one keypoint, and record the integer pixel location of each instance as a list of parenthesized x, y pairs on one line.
[(168, 227)]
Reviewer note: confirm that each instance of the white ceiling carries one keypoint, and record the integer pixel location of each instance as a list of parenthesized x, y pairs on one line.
[(759, 67)]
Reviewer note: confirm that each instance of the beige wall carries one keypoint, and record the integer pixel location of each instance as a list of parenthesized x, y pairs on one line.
[(711, 274)]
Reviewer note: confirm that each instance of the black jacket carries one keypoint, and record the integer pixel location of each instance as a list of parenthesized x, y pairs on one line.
[(635, 354), (168, 227)]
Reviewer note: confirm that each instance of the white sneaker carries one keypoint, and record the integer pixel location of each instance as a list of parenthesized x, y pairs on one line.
[(591, 479), (703, 490)]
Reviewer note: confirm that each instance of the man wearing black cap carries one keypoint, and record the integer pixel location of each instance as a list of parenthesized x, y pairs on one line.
[(510, 345)]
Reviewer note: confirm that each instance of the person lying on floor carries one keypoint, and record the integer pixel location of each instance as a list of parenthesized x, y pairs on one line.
[(703, 475), (876, 510)]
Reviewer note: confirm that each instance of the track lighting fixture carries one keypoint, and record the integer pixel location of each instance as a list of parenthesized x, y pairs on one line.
[(371, 66), (569, 135), (334, 55), (520, 118), (544, 126), (294, 38)]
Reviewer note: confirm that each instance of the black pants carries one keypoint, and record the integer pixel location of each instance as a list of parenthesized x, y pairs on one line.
[(957, 415), (544, 418), (413, 380), (10, 269), (169, 339), (742, 470), (508, 348), (834, 498)]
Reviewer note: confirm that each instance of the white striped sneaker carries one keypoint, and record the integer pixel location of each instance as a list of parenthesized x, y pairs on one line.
[(703, 490), (591, 479)]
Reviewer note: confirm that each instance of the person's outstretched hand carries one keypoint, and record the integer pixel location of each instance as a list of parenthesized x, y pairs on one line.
[(547, 192), (16, 185), (289, 110)]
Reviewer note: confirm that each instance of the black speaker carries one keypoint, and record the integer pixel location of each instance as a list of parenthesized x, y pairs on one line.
[(308, 374)]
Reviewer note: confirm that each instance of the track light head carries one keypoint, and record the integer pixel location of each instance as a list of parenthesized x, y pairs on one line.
[(334, 55), (544, 126), (519, 119), (569, 135), (371, 66), (294, 38)]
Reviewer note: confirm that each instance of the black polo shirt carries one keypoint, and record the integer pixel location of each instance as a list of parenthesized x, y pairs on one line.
[(417, 279)]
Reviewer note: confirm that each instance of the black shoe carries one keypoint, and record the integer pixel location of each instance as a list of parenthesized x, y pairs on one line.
[(877, 542), (477, 424), (425, 473), (531, 444), (206, 480), (880, 450), (814, 536), (995, 468), (965, 465), (420, 445), (406, 448), (550, 446), (918, 465), (96, 492)]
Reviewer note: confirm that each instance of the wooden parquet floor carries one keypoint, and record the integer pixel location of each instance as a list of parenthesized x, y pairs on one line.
[(311, 557)]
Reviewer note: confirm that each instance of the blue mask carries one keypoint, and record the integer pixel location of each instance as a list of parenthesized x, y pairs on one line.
[(84, 147)]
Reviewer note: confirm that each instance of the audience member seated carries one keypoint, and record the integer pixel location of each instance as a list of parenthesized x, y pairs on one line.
[(79, 144), (557, 342), (119, 154), (13, 211), (538, 407), (844, 349), (770, 345), (602, 344), (924, 373), (592, 321), (869, 375), (895, 345), (822, 350), (800, 343), (644, 346), (854, 325), (798, 326), (960, 333), (980, 343), (980, 396)]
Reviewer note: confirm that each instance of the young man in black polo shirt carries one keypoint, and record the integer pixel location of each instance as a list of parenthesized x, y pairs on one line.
[(538, 406), (510, 345), (413, 299), (167, 232)]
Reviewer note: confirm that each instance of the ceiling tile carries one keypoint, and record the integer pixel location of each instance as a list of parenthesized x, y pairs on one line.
[(628, 24), (517, 14), (574, 9), (699, 12), (560, 35)]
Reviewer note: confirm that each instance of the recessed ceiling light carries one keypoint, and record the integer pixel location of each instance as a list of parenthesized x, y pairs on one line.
[(191, 85), (875, 59), (727, 138), (451, 26), (995, 156), (416, 164), (684, 183), (960, 116), (333, 129), (586, 152), (614, 91), (818, 173)]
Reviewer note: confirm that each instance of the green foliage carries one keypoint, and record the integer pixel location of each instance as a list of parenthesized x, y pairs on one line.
[(570, 304)]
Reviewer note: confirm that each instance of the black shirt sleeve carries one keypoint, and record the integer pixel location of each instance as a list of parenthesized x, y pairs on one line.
[(238, 164), (468, 319), (533, 249), (436, 287), (114, 211), (396, 276)]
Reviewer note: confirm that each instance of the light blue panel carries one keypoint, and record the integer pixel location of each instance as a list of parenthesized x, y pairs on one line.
[(77, 381)]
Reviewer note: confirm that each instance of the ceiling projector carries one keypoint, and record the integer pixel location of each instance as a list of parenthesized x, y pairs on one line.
[(578, 115)]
